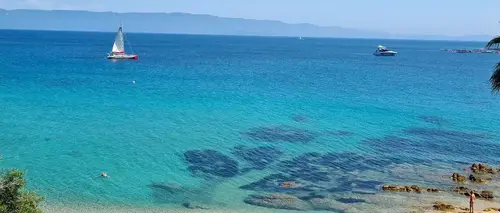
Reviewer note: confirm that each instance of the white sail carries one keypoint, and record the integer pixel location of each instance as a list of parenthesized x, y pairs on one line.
[(119, 45)]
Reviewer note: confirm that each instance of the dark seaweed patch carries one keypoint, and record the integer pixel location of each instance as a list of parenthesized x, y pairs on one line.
[(340, 133), (211, 162), (433, 120), (274, 183), (259, 157), (424, 145), (356, 186), (350, 200), (170, 193), (300, 118), (280, 134), (443, 134)]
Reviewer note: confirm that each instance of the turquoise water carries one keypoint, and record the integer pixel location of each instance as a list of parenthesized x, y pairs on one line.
[(68, 114)]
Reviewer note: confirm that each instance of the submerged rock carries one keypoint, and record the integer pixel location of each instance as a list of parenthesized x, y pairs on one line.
[(433, 120), (278, 201), (190, 205), (211, 162), (280, 134), (475, 179), (279, 183), (324, 204), (300, 118), (260, 157), (350, 200), (440, 206)]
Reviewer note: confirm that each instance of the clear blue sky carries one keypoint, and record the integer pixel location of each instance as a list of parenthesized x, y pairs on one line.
[(444, 17)]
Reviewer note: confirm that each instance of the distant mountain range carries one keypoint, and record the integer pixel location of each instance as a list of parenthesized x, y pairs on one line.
[(184, 23)]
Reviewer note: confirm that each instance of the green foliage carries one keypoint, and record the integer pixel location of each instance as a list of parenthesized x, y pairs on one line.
[(495, 78), (13, 197)]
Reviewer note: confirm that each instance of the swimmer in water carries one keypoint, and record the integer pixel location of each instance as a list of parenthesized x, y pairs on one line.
[(103, 174)]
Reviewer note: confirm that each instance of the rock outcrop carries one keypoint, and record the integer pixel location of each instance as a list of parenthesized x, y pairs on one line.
[(413, 188), (477, 179), (440, 206), (482, 169), (467, 192), (486, 195), (458, 178)]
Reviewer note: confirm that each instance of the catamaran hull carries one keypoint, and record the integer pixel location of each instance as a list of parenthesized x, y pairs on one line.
[(119, 57)]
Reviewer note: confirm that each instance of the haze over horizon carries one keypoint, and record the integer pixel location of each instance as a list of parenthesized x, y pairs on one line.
[(425, 17)]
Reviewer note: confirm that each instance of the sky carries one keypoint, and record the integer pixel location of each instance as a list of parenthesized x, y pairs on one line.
[(435, 17)]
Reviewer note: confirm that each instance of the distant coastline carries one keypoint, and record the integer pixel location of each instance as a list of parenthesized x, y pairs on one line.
[(191, 24)]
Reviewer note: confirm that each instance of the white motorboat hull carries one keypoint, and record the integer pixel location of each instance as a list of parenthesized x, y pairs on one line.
[(387, 53), (134, 57)]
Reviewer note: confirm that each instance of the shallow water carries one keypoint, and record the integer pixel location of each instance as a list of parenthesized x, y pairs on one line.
[(68, 114)]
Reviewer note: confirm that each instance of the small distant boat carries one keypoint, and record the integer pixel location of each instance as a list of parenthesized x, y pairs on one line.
[(118, 51), (300, 38), (383, 51)]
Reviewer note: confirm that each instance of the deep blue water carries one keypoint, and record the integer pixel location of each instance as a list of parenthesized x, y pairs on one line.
[(203, 105)]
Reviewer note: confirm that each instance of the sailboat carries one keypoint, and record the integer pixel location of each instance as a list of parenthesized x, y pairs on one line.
[(118, 51)]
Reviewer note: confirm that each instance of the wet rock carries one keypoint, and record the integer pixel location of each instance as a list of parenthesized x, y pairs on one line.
[(458, 178), (440, 206), (482, 169), (211, 162), (394, 188), (260, 157), (467, 192), (323, 204), (190, 205), (278, 201), (280, 134), (416, 188), (462, 190), (432, 190), (413, 188), (475, 179), (486, 195)]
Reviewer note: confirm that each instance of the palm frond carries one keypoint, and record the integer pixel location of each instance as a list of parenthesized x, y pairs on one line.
[(494, 41), (495, 79)]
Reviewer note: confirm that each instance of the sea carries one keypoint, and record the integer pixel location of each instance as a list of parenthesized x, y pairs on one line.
[(216, 121)]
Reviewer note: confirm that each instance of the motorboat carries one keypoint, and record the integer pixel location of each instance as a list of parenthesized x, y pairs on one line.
[(383, 51)]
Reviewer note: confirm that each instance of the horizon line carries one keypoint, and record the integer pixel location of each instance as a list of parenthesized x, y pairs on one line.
[(234, 35)]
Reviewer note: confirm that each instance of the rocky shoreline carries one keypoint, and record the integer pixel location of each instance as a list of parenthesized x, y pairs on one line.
[(462, 188)]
